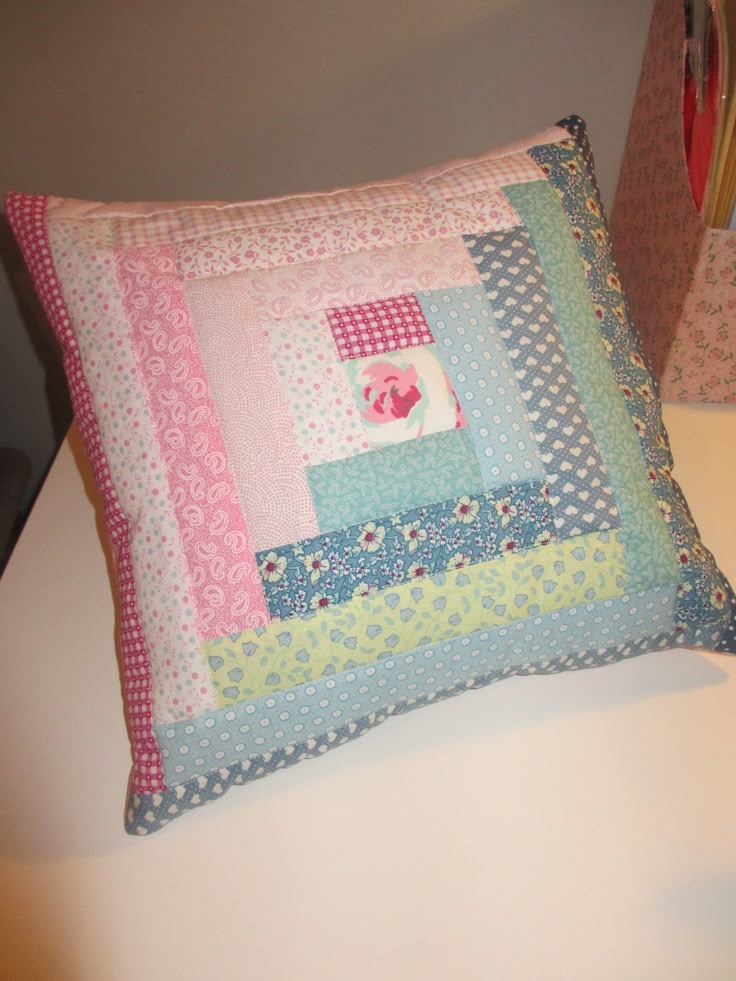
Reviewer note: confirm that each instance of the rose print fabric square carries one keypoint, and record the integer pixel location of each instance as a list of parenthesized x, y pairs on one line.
[(403, 395)]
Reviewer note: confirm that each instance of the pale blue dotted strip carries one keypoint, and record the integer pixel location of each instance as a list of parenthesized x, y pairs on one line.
[(147, 813), (475, 360), (305, 712)]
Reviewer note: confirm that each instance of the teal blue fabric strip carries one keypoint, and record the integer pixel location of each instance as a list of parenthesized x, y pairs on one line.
[(650, 556), (394, 478), (475, 360)]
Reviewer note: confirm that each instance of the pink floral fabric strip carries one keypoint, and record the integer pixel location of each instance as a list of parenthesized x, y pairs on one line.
[(403, 395), (223, 575), (320, 237), (679, 275)]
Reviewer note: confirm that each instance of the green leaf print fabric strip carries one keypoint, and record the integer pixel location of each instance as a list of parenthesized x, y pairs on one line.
[(650, 556), (516, 585), (260, 725)]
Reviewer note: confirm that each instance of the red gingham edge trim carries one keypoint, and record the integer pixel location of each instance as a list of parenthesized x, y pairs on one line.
[(27, 216)]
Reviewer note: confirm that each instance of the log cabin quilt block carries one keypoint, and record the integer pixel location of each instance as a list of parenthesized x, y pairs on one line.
[(362, 450)]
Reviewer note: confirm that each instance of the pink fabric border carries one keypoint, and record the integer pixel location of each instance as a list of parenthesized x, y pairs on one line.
[(27, 217)]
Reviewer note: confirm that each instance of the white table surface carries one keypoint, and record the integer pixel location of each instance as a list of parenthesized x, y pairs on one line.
[(580, 826)]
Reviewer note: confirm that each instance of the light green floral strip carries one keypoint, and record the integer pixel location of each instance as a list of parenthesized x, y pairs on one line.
[(431, 609), (650, 556)]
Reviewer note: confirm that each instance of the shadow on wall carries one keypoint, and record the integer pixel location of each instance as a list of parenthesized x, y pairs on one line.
[(412, 111), (334, 100), (16, 468), (35, 933)]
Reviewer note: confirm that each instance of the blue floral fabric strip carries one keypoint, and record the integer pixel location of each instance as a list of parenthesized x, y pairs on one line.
[(407, 545), (703, 593), (436, 467), (650, 558)]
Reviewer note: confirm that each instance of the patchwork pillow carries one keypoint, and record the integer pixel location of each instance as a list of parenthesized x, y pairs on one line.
[(363, 450)]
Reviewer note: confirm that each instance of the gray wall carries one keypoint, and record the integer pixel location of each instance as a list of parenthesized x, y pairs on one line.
[(237, 99)]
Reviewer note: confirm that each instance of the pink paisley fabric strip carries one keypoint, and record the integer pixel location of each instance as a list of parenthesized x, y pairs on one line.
[(222, 570), (364, 277)]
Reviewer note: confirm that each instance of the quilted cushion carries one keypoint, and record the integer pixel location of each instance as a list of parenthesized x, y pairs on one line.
[(362, 450)]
